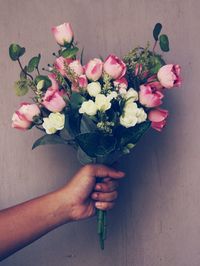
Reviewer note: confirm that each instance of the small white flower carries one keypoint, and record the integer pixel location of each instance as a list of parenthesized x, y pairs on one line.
[(94, 88), (88, 107), (141, 115), (102, 102), (122, 91), (112, 95), (40, 85), (54, 122)]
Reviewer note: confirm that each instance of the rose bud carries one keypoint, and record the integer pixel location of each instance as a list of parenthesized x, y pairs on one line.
[(53, 100), (54, 83), (154, 83), (23, 118), (93, 69), (149, 97), (60, 64), (114, 67), (82, 81), (63, 33), (121, 83), (169, 76), (158, 118)]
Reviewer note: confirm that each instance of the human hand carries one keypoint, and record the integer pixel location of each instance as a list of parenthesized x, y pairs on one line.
[(83, 194)]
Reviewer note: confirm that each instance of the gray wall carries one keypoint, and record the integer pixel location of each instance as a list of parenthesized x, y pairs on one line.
[(157, 219)]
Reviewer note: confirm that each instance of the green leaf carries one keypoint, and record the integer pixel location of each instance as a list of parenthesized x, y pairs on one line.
[(23, 73), (16, 51), (95, 144), (21, 87), (132, 134), (70, 52), (47, 81), (49, 139), (72, 122), (33, 63), (164, 43), (156, 31), (87, 124), (76, 100), (156, 63)]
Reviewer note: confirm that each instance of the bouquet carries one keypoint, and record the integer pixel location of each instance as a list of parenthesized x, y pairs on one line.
[(101, 108)]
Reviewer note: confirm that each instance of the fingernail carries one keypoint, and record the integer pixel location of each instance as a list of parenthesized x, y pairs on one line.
[(98, 204), (98, 187), (95, 195)]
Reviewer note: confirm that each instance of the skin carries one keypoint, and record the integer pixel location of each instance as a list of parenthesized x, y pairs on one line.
[(78, 199)]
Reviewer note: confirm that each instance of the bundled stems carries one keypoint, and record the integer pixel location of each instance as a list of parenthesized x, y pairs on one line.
[(101, 220)]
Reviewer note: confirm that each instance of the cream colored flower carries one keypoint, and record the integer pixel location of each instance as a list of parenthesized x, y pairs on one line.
[(94, 88), (88, 107), (141, 115), (128, 120), (54, 122), (131, 95), (102, 102)]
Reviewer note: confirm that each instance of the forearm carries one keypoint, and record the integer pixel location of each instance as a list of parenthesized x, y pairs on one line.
[(26, 222)]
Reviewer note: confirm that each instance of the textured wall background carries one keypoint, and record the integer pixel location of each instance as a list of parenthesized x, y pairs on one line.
[(157, 219)]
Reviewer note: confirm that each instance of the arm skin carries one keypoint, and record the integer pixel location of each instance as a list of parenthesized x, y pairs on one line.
[(78, 199)]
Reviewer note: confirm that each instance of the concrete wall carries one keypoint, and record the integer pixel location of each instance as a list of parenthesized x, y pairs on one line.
[(157, 219)]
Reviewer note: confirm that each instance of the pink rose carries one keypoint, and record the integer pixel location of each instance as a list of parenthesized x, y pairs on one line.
[(53, 100), (158, 118), (150, 97), (83, 82), (93, 69), (54, 83), (60, 64), (169, 76), (153, 82), (121, 83), (63, 33), (23, 118), (76, 66), (114, 67)]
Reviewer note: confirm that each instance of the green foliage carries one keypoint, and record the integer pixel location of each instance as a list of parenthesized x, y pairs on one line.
[(49, 139), (156, 63), (87, 124), (164, 43), (69, 52), (16, 51), (133, 134), (76, 100), (156, 31), (95, 144), (33, 63), (47, 81), (22, 86), (23, 73)]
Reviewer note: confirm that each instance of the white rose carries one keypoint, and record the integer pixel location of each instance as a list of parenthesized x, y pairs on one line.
[(112, 95), (88, 108), (102, 102), (57, 120), (94, 88), (54, 122), (131, 95), (130, 108), (141, 115), (128, 120)]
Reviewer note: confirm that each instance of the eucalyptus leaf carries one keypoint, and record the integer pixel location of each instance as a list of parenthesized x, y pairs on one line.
[(23, 73), (33, 63), (156, 31), (49, 139), (164, 43), (16, 51), (69, 52)]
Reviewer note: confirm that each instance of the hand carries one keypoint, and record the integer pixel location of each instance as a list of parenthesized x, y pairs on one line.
[(83, 195)]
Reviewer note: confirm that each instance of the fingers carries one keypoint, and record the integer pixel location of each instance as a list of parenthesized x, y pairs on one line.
[(107, 186), (105, 206), (105, 197), (99, 170)]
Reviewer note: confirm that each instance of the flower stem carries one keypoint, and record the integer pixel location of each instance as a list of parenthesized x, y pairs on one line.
[(24, 70)]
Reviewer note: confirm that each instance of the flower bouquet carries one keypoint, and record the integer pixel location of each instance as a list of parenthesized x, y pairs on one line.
[(101, 108)]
